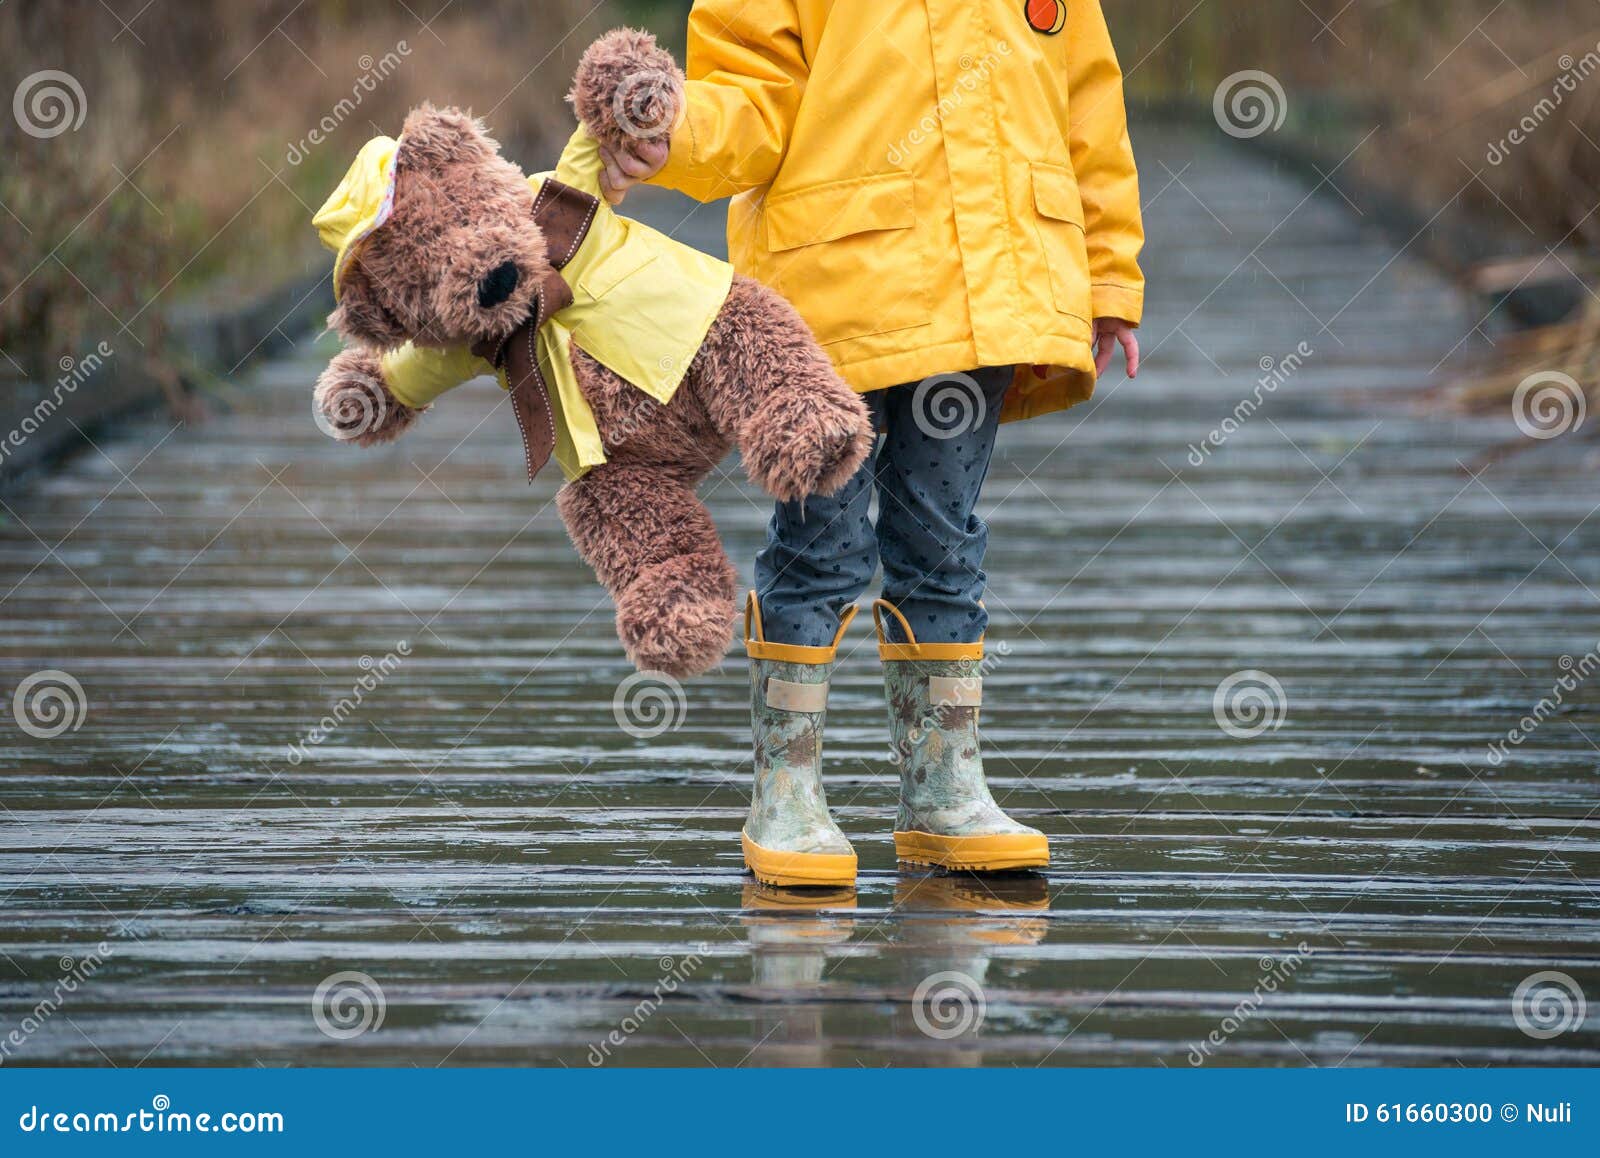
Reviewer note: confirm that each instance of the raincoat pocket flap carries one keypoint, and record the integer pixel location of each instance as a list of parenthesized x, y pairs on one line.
[(839, 209), (615, 269), (1055, 193)]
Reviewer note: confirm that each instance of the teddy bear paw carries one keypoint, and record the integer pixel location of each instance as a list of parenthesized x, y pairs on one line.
[(798, 445), (354, 404), (677, 617)]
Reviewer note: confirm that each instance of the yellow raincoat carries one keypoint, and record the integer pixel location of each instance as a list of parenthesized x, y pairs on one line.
[(645, 329), (937, 185)]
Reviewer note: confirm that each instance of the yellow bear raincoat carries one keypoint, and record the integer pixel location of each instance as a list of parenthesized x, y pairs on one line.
[(645, 329)]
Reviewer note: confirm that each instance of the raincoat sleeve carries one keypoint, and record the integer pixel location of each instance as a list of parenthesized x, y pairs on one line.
[(746, 73), (417, 375), (579, 165), (1102, 158)]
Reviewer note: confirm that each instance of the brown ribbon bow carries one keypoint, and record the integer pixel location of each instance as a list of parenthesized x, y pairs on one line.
[(563, 215)]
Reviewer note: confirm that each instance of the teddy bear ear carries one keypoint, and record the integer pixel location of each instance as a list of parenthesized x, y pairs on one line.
[(440, 136), (361, 318)]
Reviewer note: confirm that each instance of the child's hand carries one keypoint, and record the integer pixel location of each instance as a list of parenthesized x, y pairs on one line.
[(1109, 333), (639, 161)]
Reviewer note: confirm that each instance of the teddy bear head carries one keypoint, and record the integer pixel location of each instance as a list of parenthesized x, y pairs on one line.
[(459, 258)]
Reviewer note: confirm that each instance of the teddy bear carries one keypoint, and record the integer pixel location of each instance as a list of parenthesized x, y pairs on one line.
[(636, 361)]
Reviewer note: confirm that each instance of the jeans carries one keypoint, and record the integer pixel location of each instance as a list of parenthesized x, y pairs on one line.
[(927, 467)]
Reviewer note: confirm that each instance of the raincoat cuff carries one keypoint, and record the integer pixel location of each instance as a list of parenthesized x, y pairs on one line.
[(1118, 301), (679, 171), (416, 376)]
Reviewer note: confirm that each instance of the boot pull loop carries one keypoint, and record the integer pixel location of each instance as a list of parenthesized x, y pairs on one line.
[(880, 605), (844, 625), (752, 616), (911, 649)]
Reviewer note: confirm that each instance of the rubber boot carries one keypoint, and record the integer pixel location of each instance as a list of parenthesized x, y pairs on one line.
[(947, 817), (789, 838)]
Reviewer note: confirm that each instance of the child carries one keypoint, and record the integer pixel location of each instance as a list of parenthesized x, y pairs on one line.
[(946, 192)]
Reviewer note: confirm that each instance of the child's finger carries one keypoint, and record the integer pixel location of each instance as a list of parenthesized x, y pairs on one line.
[(612, 178), (1130, 350), (634, 166), (616, 178), (610, 192), (1103, 345)]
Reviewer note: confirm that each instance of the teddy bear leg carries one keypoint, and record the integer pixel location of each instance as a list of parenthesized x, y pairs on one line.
[(353, 402), (652, 544), (767, 384)]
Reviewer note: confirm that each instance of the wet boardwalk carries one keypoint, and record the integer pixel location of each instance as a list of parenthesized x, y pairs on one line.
[(526, 883)]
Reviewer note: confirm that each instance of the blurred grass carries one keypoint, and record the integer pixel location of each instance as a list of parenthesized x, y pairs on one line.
[(1443, 82), (191, 169), (1486, 114)]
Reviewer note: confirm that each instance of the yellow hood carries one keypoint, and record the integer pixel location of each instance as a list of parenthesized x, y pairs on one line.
[(361, 203)]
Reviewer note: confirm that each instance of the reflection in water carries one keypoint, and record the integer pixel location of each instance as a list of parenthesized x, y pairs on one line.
[(949, 926), (938, 942), (790, 933)]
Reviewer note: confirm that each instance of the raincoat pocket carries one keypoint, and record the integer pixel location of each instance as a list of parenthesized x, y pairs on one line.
[(1060, 213), (833, 234)]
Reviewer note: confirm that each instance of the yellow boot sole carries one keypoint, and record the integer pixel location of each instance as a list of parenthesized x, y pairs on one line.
[(974, 854), (798, 869)]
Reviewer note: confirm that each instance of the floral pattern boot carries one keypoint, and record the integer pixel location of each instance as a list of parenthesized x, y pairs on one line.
[(947, 817), (789, 838)]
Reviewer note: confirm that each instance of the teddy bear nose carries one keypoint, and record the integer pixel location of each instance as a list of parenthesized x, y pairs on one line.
[(497, 285)]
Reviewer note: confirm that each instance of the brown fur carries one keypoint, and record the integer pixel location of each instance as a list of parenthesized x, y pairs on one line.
[(759, 380), (627, 89)]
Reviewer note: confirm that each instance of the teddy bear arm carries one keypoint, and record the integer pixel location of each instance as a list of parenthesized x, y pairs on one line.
[(417, 375)]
